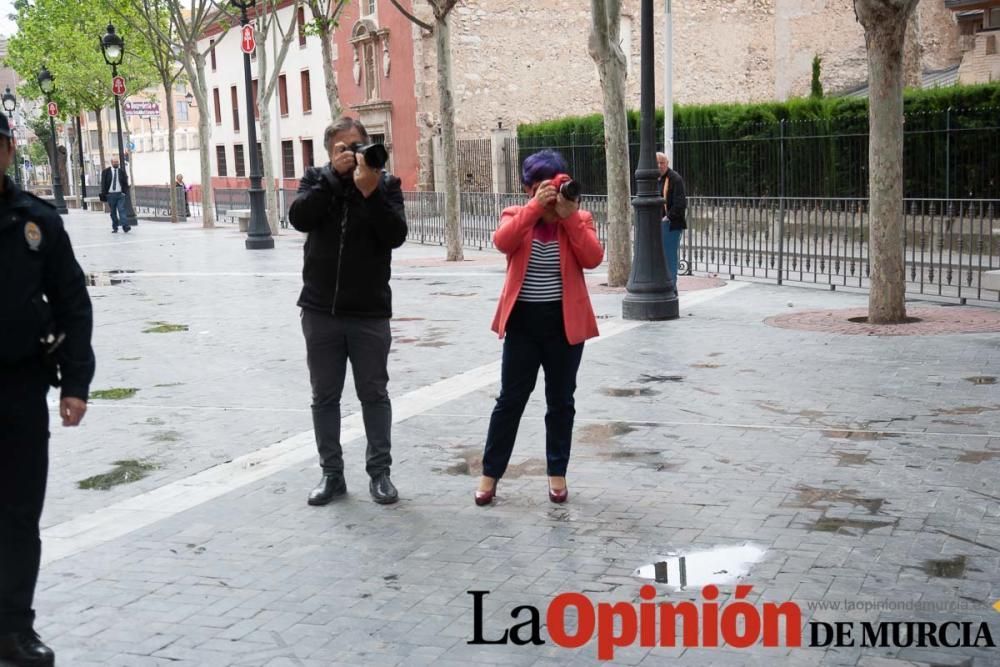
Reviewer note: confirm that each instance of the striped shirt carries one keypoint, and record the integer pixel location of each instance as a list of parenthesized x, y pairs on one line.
[(543, 279)]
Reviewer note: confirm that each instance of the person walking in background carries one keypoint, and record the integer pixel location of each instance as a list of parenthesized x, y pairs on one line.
[(544, 315), (114, 189), (354, 216), (182, 190), (674, 222)]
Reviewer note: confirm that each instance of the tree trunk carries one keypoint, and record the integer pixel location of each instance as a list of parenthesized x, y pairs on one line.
[(100, 140), (200, 87), (885, 23), (326, 42), (330, 76), (267, 168), (606, 52), (171, 146), (452, 210)]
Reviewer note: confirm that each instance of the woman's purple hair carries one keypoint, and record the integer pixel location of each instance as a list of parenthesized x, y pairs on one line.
[(542, 165)]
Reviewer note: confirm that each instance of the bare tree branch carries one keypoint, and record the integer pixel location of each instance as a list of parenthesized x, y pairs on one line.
[(414, 19)]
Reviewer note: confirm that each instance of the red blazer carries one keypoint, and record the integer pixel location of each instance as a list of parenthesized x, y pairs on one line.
[(579, 249)]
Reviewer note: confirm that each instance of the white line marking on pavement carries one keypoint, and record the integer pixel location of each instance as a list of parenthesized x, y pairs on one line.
[(90, 530)]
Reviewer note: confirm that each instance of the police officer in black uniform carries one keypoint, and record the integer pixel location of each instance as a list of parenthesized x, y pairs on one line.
[(45, 326)]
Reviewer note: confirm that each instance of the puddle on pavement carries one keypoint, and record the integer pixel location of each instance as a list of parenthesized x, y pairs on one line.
[(770, 406), (852, 458), (115, 394), (706, 365), (166, 436), (947, 568), (408, 319), (646, 379), (809, 496), (164, 327), (472, 465), (719, 566), (853, 435), (826, 524), (107, 278), (601, 433), (433, 343), (977, 456), (964, 410), (982, 379), (628, 392), (125, 472), (455, 294)]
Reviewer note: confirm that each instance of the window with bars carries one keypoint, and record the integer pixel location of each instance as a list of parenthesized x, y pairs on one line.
[(220, 160), (371, 72), (307, 102), (218, 106), (302, 26), (288, 159), (283, 95), (234, 97), (239, 161), (307, 154), (182, 110), (256, 107), (211, 53), (260, 157)]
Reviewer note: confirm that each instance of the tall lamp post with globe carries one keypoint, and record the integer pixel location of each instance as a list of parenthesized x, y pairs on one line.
[(47, 83), (9, 104), (113, 48)]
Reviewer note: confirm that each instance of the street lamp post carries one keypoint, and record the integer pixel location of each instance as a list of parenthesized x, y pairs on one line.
[(47, 83), (9, 104), (113, 48), (258, 232), (651, 295), (83, 176)]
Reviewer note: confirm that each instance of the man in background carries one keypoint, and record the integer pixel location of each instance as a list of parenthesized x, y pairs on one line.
[(674, 222), (114, 190)]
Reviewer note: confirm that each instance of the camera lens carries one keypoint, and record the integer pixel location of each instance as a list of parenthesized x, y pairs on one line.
[(570, 190)]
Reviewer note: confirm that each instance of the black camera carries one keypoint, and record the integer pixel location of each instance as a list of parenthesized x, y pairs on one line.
[(375, 154)]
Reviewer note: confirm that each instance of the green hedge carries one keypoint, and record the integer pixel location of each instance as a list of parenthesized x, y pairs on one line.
[(952, 138)]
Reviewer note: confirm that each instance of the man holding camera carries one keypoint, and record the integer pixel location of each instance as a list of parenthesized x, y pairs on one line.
[(354, 215)]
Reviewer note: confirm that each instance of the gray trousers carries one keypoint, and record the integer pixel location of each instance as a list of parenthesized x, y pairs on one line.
[(330, 343)]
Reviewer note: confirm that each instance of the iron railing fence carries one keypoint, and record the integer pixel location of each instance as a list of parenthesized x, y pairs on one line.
[(229, 199), (950, 243), (950, 154)]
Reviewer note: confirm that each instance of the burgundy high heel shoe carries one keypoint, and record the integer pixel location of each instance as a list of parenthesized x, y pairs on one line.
[(558, 495), (486, 497)]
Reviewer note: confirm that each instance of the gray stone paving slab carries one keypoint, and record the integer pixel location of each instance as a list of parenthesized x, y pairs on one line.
[(851, 461)]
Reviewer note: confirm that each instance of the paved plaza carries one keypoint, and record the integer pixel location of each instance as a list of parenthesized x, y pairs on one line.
[(857, 468)]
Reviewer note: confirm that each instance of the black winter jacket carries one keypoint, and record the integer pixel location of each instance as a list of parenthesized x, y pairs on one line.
[(36, 261), (350, 242), (675, 208)]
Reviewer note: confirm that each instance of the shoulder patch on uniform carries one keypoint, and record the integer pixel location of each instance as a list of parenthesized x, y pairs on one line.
[(33, 235), (39, 199)]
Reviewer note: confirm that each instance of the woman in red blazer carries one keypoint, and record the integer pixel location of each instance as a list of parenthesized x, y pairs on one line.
[(544, 316)]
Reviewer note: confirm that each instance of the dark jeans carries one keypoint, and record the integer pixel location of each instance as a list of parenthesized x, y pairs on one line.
[(330, 343), (24, 450), (119, 212), (535, 337)]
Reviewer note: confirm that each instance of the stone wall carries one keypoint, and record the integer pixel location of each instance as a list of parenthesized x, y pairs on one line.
[(520, 62)]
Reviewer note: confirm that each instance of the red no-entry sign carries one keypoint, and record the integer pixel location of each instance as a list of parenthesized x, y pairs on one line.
[(53, 109), (247, 41), (118, 86)]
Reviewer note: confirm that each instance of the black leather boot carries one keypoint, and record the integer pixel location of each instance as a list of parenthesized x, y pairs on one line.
[(25, 649), (329, 488), (382, 490)]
